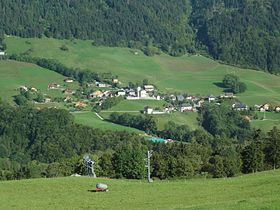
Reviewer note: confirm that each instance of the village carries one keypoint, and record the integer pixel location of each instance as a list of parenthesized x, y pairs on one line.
[(91, 96)]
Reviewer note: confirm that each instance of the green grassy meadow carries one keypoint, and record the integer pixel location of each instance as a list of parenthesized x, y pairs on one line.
[(255, 191), (90, 119), (192, 74), (271, 119), (15, 74)]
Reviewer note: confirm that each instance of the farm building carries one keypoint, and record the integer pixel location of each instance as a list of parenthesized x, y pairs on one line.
[(53, 86), (68, 80)]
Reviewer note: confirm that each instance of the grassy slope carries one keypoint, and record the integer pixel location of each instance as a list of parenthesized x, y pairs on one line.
[(271, 119), (256, 191), (195, 74), (15, 74), (90, 119)]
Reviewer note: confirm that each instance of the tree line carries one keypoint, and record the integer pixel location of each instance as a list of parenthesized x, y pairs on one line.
[(47, 143)]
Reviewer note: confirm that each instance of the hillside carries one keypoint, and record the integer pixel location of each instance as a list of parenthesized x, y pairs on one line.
[(190, 74), (244, 33), (15, 74), (256, 191)]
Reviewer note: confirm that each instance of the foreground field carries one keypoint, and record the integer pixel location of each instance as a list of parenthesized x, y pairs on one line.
[(257, 191), (192, 74)]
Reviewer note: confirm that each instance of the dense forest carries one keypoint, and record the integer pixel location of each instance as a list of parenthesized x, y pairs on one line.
[(47, 143), (238, 32)]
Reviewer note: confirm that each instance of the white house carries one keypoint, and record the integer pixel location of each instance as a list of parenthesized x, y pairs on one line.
[(149, 110), (149, 88), (277, 109), (211, 98), (68, 80), (2, 53), (121, 93)]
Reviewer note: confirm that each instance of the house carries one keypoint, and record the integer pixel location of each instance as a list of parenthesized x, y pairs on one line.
[(53, 86), (180, 98), (69, 91), (148, 110), (121, 93), (149, 88), (277, 109), (211, 98), (264, 107), (227, 96), (240, 107), (47, 100), (2, 53), (68, 80), (80, 104), (96, 94), (115, 81), (33, 89), (186, 108), (23, 88)]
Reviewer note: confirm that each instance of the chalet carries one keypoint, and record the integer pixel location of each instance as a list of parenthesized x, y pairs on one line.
[(69, 91), (277, 109), (211, 98), (115, 81), (54, 86), (23, 88), (149, 110), (121, 93), (186, 108), (264, 107), (96, 94), (149, 88), (33, 89), (68, 80), (240, 107), (227, 96), (80, 104)]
